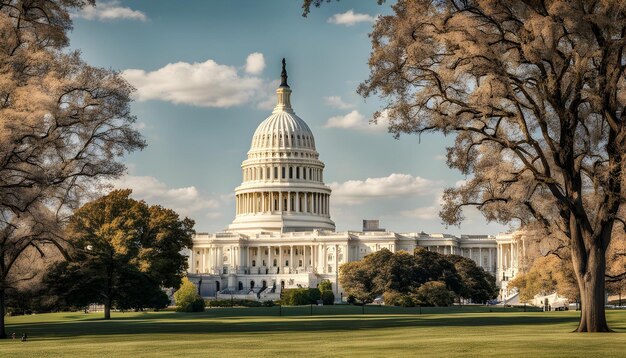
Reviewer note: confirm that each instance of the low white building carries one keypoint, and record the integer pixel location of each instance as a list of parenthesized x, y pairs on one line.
[(282, 235)]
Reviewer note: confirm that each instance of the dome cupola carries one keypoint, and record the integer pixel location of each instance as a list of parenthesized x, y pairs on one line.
[(282, 188)]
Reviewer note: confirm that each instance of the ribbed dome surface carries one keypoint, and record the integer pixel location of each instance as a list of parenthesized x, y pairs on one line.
[(283, 129)]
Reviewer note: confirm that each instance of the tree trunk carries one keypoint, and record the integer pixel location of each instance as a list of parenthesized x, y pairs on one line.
[(592, 290), (107, 308), (3, 333)]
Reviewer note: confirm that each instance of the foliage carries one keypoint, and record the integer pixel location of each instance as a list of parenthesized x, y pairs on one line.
[(328, 297), (187, 298), (548, 274), (535, 97), (476, 284), (300, 296), (325, 285), (394, 298), (399, 275), (64, 125), (124, 253), (434, 293), (239, 303)]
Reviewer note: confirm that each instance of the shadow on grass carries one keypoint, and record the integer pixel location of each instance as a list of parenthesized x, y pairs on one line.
[(267, 320)]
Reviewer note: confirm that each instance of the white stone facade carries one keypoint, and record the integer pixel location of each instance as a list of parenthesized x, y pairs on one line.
[(282, 235)]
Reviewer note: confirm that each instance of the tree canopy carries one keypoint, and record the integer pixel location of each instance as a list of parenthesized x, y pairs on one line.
[(398, 276), (124, 252)]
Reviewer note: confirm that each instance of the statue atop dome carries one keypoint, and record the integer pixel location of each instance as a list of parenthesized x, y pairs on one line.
[(283, 76)]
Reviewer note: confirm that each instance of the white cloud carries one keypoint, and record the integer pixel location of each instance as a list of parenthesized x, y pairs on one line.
[(186, 201), (350, 18), (394, 185), (255, 63), (430, 212), (355, 120), (107, 11), (205, 84), (337, 102)]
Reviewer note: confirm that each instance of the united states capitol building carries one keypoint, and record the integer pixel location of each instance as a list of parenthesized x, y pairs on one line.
[(283, 235)]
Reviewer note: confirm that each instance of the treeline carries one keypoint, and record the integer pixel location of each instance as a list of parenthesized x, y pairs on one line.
[(423, 278)]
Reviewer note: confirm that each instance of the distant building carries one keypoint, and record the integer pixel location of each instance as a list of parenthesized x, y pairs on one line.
[(371, 225), (282, 235)]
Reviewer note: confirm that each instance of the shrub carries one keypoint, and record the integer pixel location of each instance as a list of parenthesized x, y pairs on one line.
[(351, 300), (268, 304), (434, 293), (328, 297), (325, 285), (300, 296), (187, 298), (237, 303), (394, 298)]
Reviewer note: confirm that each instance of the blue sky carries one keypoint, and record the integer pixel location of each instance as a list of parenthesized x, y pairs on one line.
[(205, 73)]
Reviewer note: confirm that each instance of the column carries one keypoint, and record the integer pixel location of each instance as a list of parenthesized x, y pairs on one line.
[(297, 201), (336, 263), (280, 201), (306, 206), (304, 257), (480, 256), (470, 253), (269, 256), (490, 260), (248, 262), (289, 202), (280, 257), (203, 262), (290, 257)]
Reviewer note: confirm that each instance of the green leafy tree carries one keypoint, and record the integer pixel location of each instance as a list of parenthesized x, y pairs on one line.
[(325, 285), (476, 284), (434, 293), (187, 297), (124, 252)]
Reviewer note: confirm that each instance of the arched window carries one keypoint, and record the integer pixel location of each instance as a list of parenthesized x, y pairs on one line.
[(290, 172), (275, 172), (253, 263), (297, 172), (304, 173), (251, 284), (275, 263), (283, 169), (240, 286)]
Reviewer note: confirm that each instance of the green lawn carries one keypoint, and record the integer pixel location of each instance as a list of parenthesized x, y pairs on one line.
[(330, 331)]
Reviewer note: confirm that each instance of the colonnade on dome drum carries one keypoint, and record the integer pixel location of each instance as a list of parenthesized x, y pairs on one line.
[(283, 202)]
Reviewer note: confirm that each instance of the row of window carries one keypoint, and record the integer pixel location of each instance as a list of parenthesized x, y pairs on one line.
[(282, 172), (284, 140), (283, 154)]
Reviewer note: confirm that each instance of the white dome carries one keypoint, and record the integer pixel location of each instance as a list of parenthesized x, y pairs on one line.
[(282, 129), (283, 185)]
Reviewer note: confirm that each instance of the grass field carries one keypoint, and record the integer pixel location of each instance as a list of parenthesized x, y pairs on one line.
[(330, 331)]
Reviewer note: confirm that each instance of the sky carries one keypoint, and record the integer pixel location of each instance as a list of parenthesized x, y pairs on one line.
[(205, 74)]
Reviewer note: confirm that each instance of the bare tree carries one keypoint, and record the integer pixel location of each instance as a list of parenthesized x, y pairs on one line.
[(534, 93), (63, 124)]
